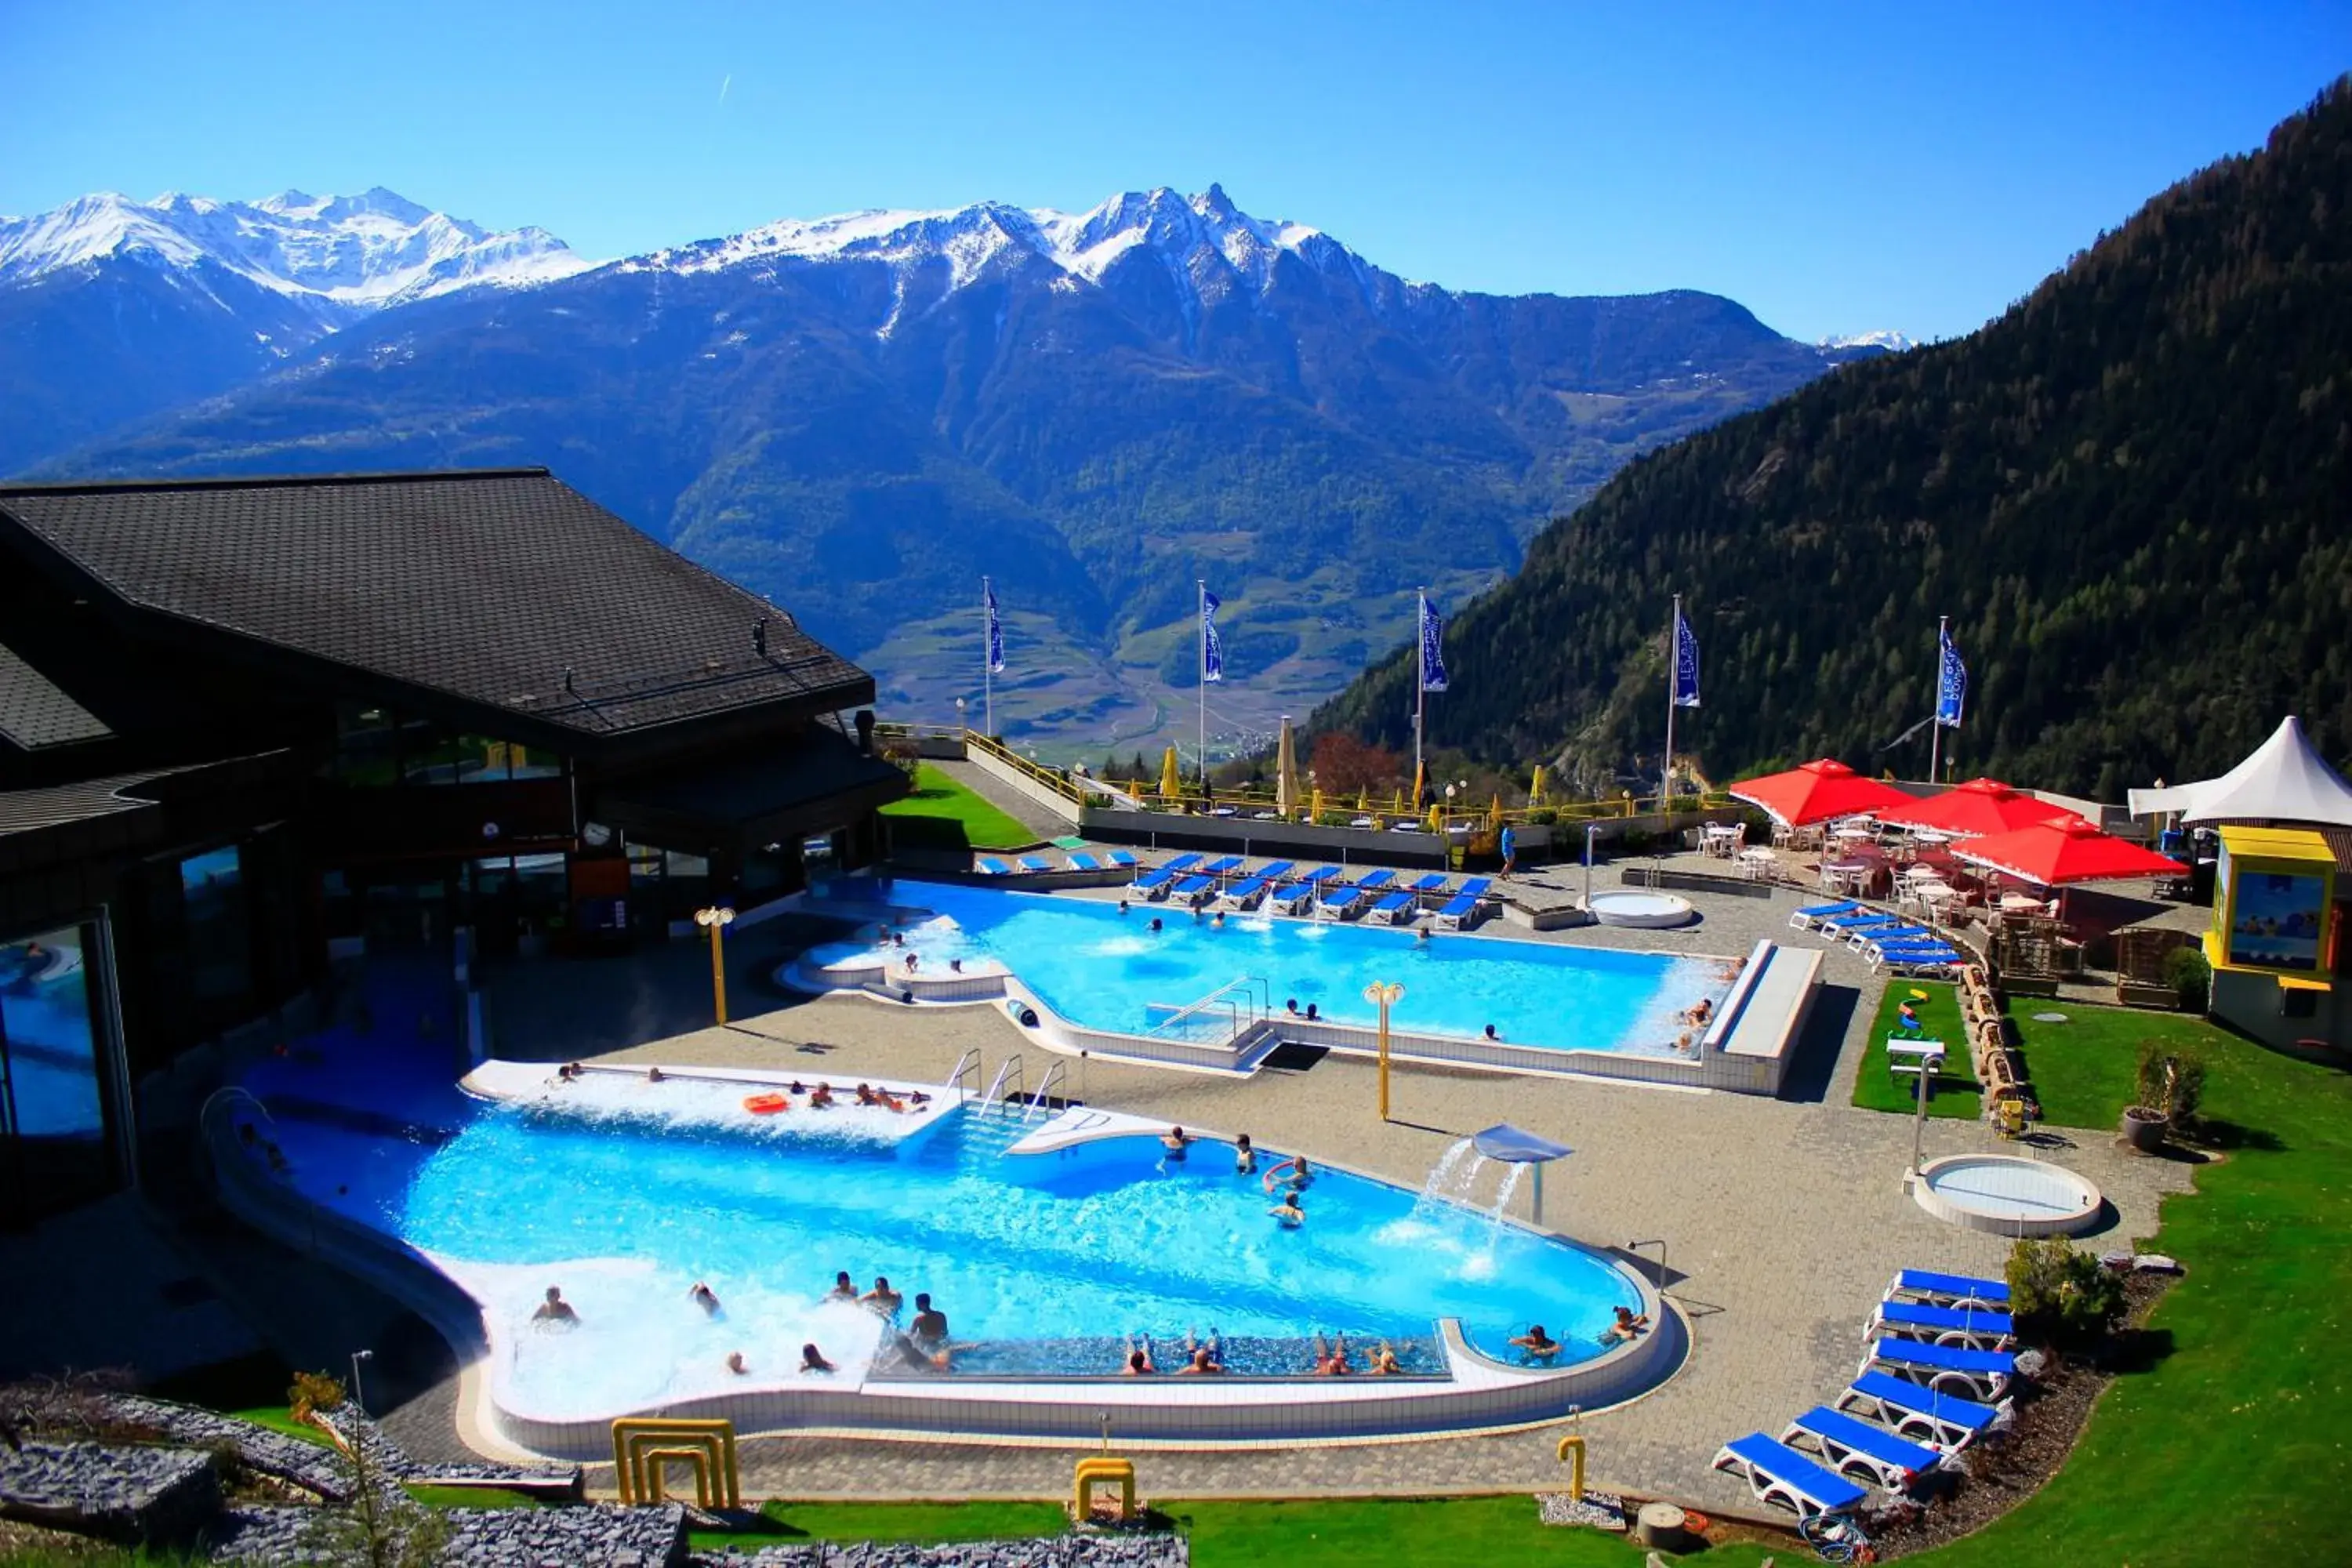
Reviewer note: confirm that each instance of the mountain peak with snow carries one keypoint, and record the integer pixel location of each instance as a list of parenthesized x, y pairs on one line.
[(338, 256), (1886, 338)]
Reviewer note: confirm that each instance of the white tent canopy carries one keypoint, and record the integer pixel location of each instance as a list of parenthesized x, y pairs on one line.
[(2286, 779)]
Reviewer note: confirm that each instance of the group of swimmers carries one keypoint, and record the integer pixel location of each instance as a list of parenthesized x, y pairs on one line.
[(1292, 1173), (1201, 1358), (923, 1343), (1541, 1346), (821, 1098)]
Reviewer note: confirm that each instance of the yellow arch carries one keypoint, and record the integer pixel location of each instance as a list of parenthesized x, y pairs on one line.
[(1103, 1471), (1571, 1453), (641, 1444)]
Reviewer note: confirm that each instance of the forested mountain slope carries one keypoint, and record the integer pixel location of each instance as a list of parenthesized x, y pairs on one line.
[(2132, 493)]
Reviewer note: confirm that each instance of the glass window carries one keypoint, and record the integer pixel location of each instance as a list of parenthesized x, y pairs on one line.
[(49, 1046), (219, 927), (364, 746)]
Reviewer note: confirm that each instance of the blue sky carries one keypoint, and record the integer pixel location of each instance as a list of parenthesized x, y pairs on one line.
[(1834, 168)]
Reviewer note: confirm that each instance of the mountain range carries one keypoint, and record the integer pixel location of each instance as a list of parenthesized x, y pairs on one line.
[(861, 415), (2131, 494)]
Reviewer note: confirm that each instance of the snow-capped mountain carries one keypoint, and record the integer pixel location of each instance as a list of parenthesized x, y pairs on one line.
[(1885, 339), (351, 254)]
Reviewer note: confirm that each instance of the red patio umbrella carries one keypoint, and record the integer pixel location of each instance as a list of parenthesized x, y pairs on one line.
[(2064, 851), (1818, 792), (1977, 807)]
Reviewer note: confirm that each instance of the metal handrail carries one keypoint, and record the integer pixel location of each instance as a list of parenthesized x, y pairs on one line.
[(1057, 1072), (1012, 1064), (969, 1066), (1222, 996)]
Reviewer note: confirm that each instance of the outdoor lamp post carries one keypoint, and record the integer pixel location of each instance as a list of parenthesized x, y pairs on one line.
[(960, 725), (715, 920), (1382, 993), (358, 1403), (1591, 829), (1919, 1117)]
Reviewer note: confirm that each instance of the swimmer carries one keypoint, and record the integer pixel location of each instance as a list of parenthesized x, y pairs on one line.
[(796, 1087), (1538, 1345), (813, 1360), (1220, 921), (1155, 922), (882, 1299), (1421, 935), (1384, 1360), (1310, 1012), (1122, 908), (919, 1099), (866, 1095), (1286, 1211), (821, 1098), (956, 964), (1139, 1363), (653, 1075), (1299, 1175), (1175, 1141), (929, 1329), (915, 1356), (705, 1297), (555, 1308), (1629, 1323), (1682, 1042), (1290, 1005), (1700, 1011), (843, 1290), (1490, 1033), (898, 939), (913, 960), (735, 1363), (1245, 1156), (1203, 1363)]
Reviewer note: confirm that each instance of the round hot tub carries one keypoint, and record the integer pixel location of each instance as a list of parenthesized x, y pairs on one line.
[(1636, 907), (2008, 1194)]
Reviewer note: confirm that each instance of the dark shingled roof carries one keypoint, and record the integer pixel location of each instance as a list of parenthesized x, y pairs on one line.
[(35, 713), (488, 585)]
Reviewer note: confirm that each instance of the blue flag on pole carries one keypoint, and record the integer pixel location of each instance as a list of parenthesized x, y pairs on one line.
[(1685, 662), (1951, 682), (1433, 647), (995, 629), (1212, 652)]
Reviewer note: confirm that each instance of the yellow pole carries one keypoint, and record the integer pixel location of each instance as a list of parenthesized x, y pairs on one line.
[(715, 920), (1571, 1451), (1380, 994)]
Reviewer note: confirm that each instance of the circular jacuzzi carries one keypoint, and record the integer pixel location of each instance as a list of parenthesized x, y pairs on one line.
[(1635, 907), (2008, 1194)]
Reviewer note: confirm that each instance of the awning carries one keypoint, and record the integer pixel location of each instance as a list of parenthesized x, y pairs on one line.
[(1818, 792), (1518, 1146), (1977, 807), (811, 783), (2059, 853), (2285, 780)]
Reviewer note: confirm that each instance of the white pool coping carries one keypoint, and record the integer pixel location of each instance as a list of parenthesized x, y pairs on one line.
[(1983, 1213)]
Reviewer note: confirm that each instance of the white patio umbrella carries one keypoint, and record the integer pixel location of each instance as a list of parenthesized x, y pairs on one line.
[(1286, 772)]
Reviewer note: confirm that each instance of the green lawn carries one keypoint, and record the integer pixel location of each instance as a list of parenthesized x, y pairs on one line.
[(1489, 1531), (782, 1522), (278, 1419), (2084, 1070), (1953, 1091), (944, 815)]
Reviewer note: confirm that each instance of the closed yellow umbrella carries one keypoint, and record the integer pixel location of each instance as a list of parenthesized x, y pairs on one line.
[(1437, 817), (1315, 811), (1494, 816), (1363, 801), (1536, 786), (1171, 782), (1286, 772), (1396, 802)]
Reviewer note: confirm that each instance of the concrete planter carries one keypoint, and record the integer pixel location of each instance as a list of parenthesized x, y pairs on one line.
[(2144, 1130)]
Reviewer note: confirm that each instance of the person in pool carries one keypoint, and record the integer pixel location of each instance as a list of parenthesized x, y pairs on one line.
[(813, 1360), (882, 1299), (1286, 1211), (1245, 1156), (1384, 1360), (1203, 1363), (1122, 908), (705, 1297), (1290, 1005), (1175, 1141), (843, 1287), (1490, 1033), (1311, 1012), (654, 1074), (929, 1329), (1139, 1363), (1629, 1325), (1335, 1363), (1300, 1175), (555, 1308), (1155, 923), (735, 1363), (821, 1098), (1539, 1346)]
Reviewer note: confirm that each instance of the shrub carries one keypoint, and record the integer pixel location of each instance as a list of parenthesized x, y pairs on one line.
[(314, 1391), (2187, 972), (2058, 1293), (1542, 817), (1636, 841), (2171, 1081)]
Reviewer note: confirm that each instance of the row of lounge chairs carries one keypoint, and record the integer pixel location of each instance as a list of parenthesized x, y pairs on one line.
[(1885, 941), (1934, 1377), (1035, 865), (1196, 881)]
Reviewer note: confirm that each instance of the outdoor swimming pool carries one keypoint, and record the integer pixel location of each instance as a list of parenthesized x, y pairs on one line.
[(625, 1192), (1103, 970)]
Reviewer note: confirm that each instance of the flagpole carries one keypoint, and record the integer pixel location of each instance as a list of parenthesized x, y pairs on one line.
[(1674, 663), (1936, 729), (1420, 687), (1201, 585), (987, 662)]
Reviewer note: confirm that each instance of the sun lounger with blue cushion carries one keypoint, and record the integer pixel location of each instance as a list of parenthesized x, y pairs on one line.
[(1883, 936), (1464, 908), (1293, 898), (1193, 890), (1397, 908), (1948, 1290), (1978, 1328), (1981, 1374), (1778, 1474), (990, 865), (1429, 884), (1806, 919), (1916, 958), (1475, 887), (1894, 1462), (1375, 881), (1081, 861), (1223, 866), (1838, 927), (1947, 1421), (1339, 903), (1123, 859), (1167, 871), (1245, 895), (1320, 875), (1033, 864), (1277, 872)]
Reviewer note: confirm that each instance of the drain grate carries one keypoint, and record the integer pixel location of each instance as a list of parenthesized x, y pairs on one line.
[(1292, 1057)]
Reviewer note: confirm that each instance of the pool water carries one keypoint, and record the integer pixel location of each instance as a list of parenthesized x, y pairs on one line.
[(1107, 971), (1045, 1264)]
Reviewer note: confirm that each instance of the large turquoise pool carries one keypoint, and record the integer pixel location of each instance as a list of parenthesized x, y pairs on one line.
[(1105, 970)]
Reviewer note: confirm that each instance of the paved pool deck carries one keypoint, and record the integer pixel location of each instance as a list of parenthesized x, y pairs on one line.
[(1782, 1219)]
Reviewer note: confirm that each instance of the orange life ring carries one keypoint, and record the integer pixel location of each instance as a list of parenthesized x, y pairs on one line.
[(766, 1104), (1695, 1521)]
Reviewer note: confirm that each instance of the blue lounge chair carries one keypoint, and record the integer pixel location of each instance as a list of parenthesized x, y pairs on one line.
[(1397, 908), (1277, 871), (1778, 1474), (1427, 882), (1290, 898), (1033, 864), (1124, 860), (990, 865), (1245, 895), (1947, 1369), (1977, 1328), (1080, 861), (1320, 875), (1881, 936), (1949, 1423), (1374, 882), (1462, 910), (1475, 887), (1948, 1290), (1806, 919), (1339, 903), (1851, 1446), (1916, 959), (1223, 866), (1841, 926), (1193, 890)]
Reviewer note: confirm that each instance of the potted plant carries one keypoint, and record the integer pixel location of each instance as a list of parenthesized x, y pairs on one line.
[(2170, 1085)]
